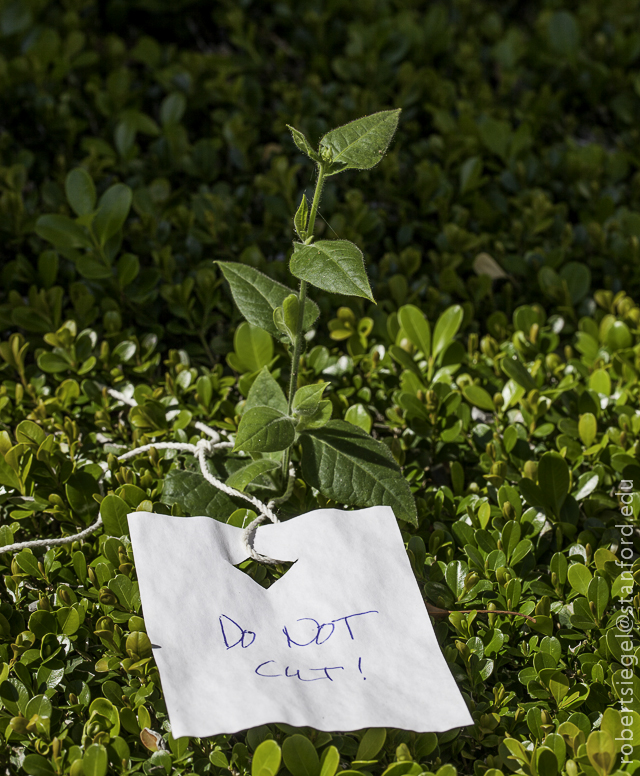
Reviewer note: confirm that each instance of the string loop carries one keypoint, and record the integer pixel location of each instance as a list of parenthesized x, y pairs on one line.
[(203, 448)]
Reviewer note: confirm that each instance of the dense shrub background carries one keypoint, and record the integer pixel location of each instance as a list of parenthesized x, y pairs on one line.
[(512, 189)]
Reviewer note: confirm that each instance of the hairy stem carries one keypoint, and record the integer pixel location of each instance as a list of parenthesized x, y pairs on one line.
[(302, 298)]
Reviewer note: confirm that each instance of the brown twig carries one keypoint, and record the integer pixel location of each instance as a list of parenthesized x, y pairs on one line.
[(436, 612)]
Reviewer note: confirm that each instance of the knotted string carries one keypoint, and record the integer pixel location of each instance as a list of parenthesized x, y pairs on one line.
[(200, 451)]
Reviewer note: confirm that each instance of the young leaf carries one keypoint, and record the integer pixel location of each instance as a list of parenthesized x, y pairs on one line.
[(257, 296), (360, 144), (264, 430), (113, 210), (347, 465), (80, 191), (286, 317), (307, 398), (319, 418), (303, 144), (265, 392), (301, 218), (332, 265), (416, 327), (446, 328)]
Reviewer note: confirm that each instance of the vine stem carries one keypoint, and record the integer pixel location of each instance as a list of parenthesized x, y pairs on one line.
[(302, 298)]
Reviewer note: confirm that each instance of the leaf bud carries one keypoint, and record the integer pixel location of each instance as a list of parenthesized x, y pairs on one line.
[(552, 361), (499, 469), (508, 510), (543, 607), (489, 346), (470, 580), (498, 400), (65, 596), (106, 597), (531, 470), (431, 400)]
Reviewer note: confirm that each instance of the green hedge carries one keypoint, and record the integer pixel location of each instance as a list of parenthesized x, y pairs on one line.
[(511, 190)]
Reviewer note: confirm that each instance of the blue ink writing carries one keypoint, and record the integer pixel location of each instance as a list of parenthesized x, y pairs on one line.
[(270, 676), (261, 671), (243, 635), (360, 668), (316, 639)]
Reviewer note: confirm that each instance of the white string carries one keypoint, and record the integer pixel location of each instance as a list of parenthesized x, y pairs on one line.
[(53, 542), (200, 450), (121, 397)]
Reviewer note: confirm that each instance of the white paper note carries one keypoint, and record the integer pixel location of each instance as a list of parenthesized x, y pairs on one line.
[(341, 642)]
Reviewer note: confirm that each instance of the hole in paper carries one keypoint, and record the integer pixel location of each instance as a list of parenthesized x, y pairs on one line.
[(264, 575)]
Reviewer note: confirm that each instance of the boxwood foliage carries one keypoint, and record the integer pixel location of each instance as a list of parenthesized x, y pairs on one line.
[(140, 142)]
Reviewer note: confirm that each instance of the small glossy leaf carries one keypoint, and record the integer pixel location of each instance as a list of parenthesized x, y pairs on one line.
[(479, 397), (266, 759), (114, 513), (113, 210), (358, 415), (329, 761), (416, 327), (518, 372), (332, 265), (62, 232), (80, 191), (37, 765), (95, 761), (587, 428), (300, 756), (446, 328), (554, 480), (371, 743), (598, 595), (601, 751), (579, 577), (253, 346)]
